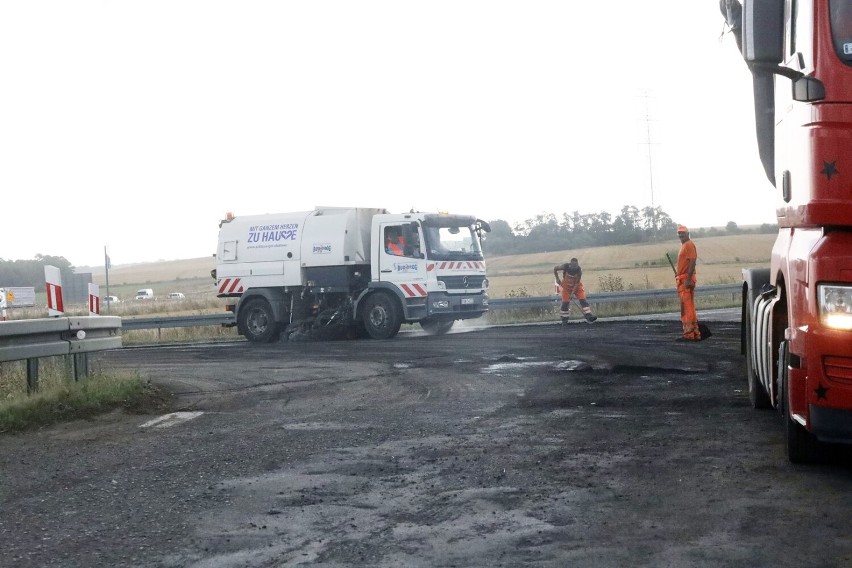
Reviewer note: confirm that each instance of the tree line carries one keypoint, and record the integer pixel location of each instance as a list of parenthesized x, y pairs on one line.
[(30, 273), (547, 232), (543, 233)]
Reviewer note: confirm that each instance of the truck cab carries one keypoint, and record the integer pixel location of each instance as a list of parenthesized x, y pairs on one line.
[(797, 314), (434, 266)]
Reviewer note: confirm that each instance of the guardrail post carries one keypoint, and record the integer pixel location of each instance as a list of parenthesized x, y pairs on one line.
[(32, 376), (81, 366)]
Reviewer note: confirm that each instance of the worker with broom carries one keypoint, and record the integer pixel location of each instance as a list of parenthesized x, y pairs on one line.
[(571, 286), (685, 280)]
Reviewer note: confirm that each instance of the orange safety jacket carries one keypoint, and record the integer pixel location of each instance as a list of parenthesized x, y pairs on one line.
[(396, 248)]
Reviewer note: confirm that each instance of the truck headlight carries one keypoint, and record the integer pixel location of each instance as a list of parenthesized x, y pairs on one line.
[(835, 305), (441, 304)]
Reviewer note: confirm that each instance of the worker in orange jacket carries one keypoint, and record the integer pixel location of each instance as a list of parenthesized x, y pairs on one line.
[(685, 278), (571, 285), (394, 242)]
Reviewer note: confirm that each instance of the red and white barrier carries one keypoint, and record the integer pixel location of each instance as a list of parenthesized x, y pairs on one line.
[(94, 300), (53, 284)]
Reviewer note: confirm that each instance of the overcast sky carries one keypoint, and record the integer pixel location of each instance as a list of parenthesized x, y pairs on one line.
[(138, 125)]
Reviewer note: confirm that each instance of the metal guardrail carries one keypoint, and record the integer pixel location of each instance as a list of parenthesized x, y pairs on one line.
[(610, 297), (76, 336), (133, 324), (53, 337)]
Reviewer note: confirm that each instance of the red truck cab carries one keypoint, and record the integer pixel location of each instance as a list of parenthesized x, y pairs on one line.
[(797, 315)]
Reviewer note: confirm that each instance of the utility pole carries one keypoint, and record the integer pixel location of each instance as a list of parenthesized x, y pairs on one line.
[(646, 94), (107, 264)]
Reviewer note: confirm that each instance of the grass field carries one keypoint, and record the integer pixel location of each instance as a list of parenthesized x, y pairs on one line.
[(644, 266), (720, 261)]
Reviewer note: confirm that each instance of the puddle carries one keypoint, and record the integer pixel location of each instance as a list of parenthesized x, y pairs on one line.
[(517, 365), (573, 365)]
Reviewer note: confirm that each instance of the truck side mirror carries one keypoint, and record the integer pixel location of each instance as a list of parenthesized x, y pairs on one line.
[(808, 89), (763, 31)]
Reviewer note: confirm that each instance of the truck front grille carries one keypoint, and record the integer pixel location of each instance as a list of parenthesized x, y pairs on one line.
[(838, 369), (474, 282)]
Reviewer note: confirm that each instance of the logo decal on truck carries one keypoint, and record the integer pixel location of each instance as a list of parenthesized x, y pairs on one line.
[(268, 235), (324, 248), (405, 267)]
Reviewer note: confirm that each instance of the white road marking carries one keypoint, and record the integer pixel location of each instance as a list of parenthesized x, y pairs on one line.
[(169, 420)]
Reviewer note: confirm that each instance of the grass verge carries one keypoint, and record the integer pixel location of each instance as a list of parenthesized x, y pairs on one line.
[(62, 401)]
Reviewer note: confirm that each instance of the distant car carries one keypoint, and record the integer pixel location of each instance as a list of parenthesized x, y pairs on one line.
[(176, 296), (145, 294), (111, 300)]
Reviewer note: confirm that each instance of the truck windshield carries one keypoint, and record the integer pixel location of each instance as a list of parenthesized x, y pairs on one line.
[(841, 28), (452, 243)]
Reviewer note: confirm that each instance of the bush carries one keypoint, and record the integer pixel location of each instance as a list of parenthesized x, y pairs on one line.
[(610, 283)]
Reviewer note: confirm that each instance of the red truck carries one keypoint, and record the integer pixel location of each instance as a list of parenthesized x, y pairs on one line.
[(797, 314)]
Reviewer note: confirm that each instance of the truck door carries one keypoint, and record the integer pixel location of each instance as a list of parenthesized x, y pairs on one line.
[(400, 259)]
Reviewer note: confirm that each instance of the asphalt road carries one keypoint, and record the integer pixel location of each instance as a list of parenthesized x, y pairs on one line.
[(597, 445)]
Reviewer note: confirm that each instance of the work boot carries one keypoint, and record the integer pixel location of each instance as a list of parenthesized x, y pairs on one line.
[(590, 317)]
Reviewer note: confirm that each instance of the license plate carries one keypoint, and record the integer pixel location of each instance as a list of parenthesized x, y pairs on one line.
[(467, 301)]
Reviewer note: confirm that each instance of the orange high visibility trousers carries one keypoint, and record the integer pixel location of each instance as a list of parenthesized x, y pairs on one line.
[(688, 317), (566, 286)]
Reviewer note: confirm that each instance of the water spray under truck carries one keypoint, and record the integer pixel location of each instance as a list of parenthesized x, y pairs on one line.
[(333, 268)]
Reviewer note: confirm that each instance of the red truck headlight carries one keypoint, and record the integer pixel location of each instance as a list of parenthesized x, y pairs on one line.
[(835, 305)]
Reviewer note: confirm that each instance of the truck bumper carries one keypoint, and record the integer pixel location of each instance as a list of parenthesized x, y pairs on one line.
[(831, 424), (456, 306), (823, 384)]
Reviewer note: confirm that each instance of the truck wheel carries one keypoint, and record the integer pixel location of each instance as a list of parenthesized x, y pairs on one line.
[(801, 446), (756, 393), (436, 326), (257, 322), (381, 316)]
